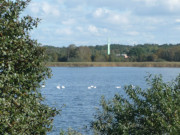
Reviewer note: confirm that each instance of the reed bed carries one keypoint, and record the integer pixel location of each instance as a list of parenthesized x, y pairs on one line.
[(113, 64)]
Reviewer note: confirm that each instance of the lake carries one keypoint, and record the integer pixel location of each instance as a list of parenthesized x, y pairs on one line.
[(81, 99)]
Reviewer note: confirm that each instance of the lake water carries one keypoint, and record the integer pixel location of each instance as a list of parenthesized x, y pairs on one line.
[(80, 101)]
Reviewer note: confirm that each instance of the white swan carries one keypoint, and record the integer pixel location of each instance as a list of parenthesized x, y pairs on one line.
[(133, 86), (92, 87), (63, 87), (58, 87), (118, 87), (43, 86)]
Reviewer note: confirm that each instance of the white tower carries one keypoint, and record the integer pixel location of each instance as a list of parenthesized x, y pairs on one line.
[(109, 49)]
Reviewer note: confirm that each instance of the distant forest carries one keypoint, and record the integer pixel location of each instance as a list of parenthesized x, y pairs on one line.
[(119, 53)]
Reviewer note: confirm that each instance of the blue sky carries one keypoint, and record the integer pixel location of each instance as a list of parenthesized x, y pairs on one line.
[(91, 22)]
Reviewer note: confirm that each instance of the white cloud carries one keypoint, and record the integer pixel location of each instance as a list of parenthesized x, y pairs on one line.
[(111, 16), (118, 19), (176, 28), (133, 33), (64, 31), (44, 9), (105, 30), (177, 20), (159, 6), (173, 4), (153, 20), (68, 21), (100, 12), (34, 8), (148, 2), (60, 1), (55, 12), (148, 37), (49, 9), (121, 20), (80, 29), (92, 29)]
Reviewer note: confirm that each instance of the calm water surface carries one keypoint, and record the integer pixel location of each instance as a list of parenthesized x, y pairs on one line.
[(80, 101)]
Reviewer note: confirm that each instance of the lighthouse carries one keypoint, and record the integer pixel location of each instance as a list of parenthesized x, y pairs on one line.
[(109, 49)]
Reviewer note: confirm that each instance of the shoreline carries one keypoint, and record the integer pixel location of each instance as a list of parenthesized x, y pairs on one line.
[(113, 64)]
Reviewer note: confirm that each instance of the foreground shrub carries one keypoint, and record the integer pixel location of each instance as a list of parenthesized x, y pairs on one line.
[(155, 110), (70, 131), (21, 72)]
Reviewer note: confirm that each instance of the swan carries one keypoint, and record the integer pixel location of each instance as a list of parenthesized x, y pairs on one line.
[(43, 86), (58, 87), (63, 87), (133, 86), (118, 87)]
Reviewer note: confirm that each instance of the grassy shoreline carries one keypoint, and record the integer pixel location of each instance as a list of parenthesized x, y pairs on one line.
[(113, 64)]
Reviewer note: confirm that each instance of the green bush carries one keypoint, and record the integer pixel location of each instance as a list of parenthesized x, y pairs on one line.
[(70, 131), (155, 110), (21, 71)]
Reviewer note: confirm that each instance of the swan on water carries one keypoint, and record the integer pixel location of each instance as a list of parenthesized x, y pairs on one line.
[(92, 87), (118, 87), (58, 87), (133, 86), (43, 86), (63, 87)]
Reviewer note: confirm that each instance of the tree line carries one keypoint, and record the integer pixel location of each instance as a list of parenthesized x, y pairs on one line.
[(98, 53)]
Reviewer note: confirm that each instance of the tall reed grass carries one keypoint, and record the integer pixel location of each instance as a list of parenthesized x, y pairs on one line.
[(113, 64)]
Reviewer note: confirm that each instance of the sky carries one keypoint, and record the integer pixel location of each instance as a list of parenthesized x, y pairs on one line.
[(92, 22)]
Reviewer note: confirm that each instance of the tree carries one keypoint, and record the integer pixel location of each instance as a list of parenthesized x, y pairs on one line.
[(138, 53), (71, 52), (22, 70), (83, 54), (155, 110)]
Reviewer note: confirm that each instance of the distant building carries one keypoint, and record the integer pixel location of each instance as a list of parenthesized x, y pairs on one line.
[(123, 55)]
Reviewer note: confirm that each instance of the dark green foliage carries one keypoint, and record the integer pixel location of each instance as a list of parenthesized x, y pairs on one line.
[(170, 53), (155, 110), (83, 54), (138, 53), (70, 131), (21, 72)]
